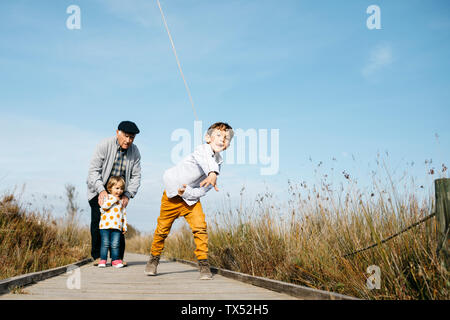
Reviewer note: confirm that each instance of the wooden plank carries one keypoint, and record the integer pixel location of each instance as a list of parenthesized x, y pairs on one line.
[(175, 281), (298, 291), (23, 280), (442, 194)]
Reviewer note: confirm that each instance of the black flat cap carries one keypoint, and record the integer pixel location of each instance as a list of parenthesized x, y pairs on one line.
[(128, 127)]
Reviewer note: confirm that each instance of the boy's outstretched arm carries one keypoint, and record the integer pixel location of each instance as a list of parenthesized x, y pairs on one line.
[(209, 166), (189, 193), (211, 179)]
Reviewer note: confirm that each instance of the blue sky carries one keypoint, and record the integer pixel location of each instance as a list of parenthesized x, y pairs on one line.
[(311, 69)]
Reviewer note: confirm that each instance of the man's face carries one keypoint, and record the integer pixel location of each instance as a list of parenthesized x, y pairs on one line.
[(125, 139)]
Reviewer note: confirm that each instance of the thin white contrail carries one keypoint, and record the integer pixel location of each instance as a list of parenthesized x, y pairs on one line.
[(178, 61)]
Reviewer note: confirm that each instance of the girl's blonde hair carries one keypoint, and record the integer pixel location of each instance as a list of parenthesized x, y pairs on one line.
[(113, 181)]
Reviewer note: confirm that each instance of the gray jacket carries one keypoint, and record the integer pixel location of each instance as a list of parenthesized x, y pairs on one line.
[(102, 163)]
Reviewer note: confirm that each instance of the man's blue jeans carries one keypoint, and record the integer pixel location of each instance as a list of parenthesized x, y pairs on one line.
[(110, 240)]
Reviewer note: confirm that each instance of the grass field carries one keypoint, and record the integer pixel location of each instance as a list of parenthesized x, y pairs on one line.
[(33, 241)]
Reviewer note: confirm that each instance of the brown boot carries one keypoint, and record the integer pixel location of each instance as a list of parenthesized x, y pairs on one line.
[(205, 272), (152, 264)]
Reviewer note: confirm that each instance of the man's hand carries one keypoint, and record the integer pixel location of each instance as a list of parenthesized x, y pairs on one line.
[(181, 190), (124, 201), (211, 179), (101, 197)]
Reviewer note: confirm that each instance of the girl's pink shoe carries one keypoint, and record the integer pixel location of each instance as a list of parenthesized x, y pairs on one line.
[(117, 264), (102, 263)]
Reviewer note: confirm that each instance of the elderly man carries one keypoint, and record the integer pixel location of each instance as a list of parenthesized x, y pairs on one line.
[(114, 156)]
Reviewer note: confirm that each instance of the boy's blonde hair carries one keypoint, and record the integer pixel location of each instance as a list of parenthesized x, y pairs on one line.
[(223, 126), (113, 181)]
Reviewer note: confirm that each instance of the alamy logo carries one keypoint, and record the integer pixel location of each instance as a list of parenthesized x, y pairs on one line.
[(74, 279), (374, 279), (74, 20), (257, 146), (374, 21)]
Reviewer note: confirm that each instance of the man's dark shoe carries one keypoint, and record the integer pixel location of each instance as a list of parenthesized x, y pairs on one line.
[(205, 272), (152, 265)]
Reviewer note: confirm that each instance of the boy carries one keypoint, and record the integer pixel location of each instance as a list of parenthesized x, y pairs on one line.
[(184, 185)]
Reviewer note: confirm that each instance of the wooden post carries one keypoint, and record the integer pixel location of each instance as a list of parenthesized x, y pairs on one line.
[(442, 193)]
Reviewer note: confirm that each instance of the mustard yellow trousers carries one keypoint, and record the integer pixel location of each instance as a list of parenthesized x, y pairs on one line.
[(173, 208)]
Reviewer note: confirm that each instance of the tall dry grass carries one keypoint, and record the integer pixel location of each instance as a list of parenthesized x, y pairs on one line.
[(304, 241), (31, 241)]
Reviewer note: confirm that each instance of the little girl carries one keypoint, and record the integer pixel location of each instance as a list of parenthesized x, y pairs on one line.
[(113, 220)]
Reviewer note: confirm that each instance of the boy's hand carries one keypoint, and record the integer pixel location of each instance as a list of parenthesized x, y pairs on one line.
[(181, 190), (211, 179)]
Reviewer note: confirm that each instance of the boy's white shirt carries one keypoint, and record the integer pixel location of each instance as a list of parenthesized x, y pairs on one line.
[(192, 170)]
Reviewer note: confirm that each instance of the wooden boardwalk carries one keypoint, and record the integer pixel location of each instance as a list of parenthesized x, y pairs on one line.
[(175, 281)]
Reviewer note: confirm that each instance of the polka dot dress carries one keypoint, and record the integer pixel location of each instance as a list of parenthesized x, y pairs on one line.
[(113, 214)]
